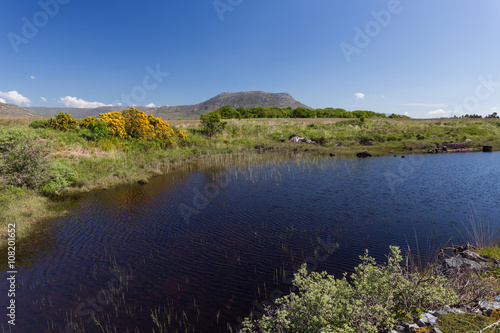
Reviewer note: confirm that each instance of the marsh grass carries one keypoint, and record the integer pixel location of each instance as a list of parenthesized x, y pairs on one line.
[(483, 232)]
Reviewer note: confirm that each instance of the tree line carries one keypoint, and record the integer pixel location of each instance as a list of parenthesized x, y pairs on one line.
[(228, 112)]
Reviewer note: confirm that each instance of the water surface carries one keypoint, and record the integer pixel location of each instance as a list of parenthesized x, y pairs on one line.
[(206, 246)]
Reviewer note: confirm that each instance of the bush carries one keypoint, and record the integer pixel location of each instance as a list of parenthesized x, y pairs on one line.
[(63, 122), (212, 123), (22, 158), (98, 128), (375, 299), (116, 123), (135, 124), (59, 177), (41, 123)]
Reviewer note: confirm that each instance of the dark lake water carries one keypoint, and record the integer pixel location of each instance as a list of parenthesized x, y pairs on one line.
[(192, 251)]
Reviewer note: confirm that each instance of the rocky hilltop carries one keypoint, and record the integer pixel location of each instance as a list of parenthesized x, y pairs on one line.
[(15, 111), (245, 99)]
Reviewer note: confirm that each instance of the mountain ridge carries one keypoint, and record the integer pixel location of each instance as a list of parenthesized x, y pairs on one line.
[(245, 99)]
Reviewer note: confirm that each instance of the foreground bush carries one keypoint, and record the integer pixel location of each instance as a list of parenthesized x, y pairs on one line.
[(22, 158), (59, 176), (373, 301)]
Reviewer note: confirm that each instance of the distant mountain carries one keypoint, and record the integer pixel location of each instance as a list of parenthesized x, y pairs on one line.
[(15, 111), (245, 99)]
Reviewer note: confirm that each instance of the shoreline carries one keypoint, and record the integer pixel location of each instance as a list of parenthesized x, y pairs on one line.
[(55, 207), (112, 162)]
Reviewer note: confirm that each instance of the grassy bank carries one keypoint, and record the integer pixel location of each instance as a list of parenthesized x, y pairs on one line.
[(112, 161)]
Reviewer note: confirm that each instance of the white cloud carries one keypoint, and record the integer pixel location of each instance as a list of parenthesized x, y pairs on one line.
[(2, 100), (73, 102), (359, 95), (382, 96), (151, 105), (32, 77), (426, 105), (119, 104), (494, 109), (15, 97), (43, 99), (436, 112), (406, 113)]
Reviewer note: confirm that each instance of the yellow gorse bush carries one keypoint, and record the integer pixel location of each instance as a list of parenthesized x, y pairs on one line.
[(135, 124), (87, 121), (161, 128), (116, 123), (181, 134)]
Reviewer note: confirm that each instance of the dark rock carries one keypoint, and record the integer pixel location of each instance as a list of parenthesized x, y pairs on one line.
[(364, 154), (368, 142), (403, 156), (332, 154), (487, 149), (142, 181)]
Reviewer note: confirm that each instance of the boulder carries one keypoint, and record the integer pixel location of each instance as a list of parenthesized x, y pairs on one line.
[(297, 139), (364, 154), (488, 305), (426, 319), (487, 149)]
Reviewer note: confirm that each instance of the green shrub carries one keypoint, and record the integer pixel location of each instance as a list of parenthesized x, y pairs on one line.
[(212, 123), (63, 122), (374, 300), (99, 130), (22, 158), (59, 177), (41, 123)]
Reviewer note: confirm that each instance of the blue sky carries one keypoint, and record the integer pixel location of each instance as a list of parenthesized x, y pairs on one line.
[(424, 58)]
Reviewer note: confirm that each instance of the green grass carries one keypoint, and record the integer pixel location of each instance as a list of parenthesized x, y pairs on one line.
[(454, 323), (490, 251)]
